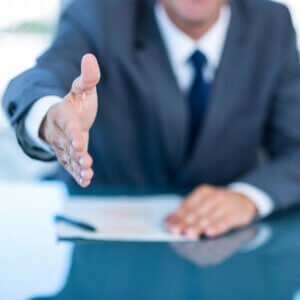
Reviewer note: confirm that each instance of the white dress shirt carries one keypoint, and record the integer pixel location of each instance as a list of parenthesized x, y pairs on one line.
[(180, 48)]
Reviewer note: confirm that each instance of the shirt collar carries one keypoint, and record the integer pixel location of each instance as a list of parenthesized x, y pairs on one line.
[(180, 46)]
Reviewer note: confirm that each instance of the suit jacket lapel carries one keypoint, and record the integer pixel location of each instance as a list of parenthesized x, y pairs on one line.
[(225, 96), (168, 101)]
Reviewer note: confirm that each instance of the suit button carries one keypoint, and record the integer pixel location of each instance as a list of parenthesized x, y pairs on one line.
[(12, 109)]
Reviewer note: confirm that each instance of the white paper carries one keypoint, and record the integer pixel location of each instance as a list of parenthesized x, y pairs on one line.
[(120, 218)]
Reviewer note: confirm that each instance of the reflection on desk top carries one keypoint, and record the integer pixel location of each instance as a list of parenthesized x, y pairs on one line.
[(258, 262)]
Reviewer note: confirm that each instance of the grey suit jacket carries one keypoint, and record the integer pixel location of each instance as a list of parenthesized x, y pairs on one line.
[(140, 134)]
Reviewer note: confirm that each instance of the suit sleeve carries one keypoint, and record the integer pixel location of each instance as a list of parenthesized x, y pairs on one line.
[(52, 75), (280, 176)]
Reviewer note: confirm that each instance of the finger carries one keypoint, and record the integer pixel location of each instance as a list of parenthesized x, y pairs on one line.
[(67, 154), (197, 228), (75, 174), (81, 175), (186, 223), (86, 175), (220, 226), (207, 209), (178, 227), (183, 219), (89, 78), (84, 179), (84, 159), (177, 222), (83, 162), (193, 202), (68, 163), (208, 206), (85, 184), (175, 216), (203, 222)]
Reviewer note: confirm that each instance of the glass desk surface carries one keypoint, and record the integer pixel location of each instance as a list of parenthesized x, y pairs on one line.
[(261, 261)]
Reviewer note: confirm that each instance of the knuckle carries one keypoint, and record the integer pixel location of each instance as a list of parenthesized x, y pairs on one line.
[(204, 222), (217, 195), (204, 188), (220, 212), (88, 163), (190, 218), (176, 219)]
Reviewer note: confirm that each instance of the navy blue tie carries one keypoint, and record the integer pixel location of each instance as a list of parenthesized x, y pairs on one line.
[(198, 97)]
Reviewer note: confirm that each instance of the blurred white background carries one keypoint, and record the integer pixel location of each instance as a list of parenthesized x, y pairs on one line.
[(29, 25)]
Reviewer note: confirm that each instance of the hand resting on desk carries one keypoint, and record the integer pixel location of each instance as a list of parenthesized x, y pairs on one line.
[(211, 211)]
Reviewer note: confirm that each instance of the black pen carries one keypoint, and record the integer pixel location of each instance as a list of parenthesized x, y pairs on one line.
[(79, 224)]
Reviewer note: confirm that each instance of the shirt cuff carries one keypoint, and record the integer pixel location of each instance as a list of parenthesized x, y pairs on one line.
[(34, 119), (261, 199)]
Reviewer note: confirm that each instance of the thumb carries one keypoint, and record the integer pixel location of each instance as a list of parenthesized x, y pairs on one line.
[(90, 75)]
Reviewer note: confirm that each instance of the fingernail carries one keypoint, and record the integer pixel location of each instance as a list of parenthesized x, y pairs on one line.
[(82, 173), (80, 180), (81, 161), (175, 230), (209, 232), (73, 143)]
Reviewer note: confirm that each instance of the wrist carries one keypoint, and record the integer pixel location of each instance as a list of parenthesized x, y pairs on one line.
[(251, 205), (44, 131)]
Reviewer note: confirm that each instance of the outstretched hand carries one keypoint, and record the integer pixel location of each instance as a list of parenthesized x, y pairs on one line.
[(67, 124)]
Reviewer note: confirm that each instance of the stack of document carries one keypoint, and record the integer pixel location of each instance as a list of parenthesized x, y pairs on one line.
[(120, 218)]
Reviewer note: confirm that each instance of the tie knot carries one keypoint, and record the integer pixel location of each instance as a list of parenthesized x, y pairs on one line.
[(199, 60)]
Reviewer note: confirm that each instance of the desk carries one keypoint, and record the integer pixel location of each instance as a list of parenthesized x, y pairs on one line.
[(258, 262)]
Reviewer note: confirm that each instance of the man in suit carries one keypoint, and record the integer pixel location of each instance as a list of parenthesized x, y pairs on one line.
[(192, 92)]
